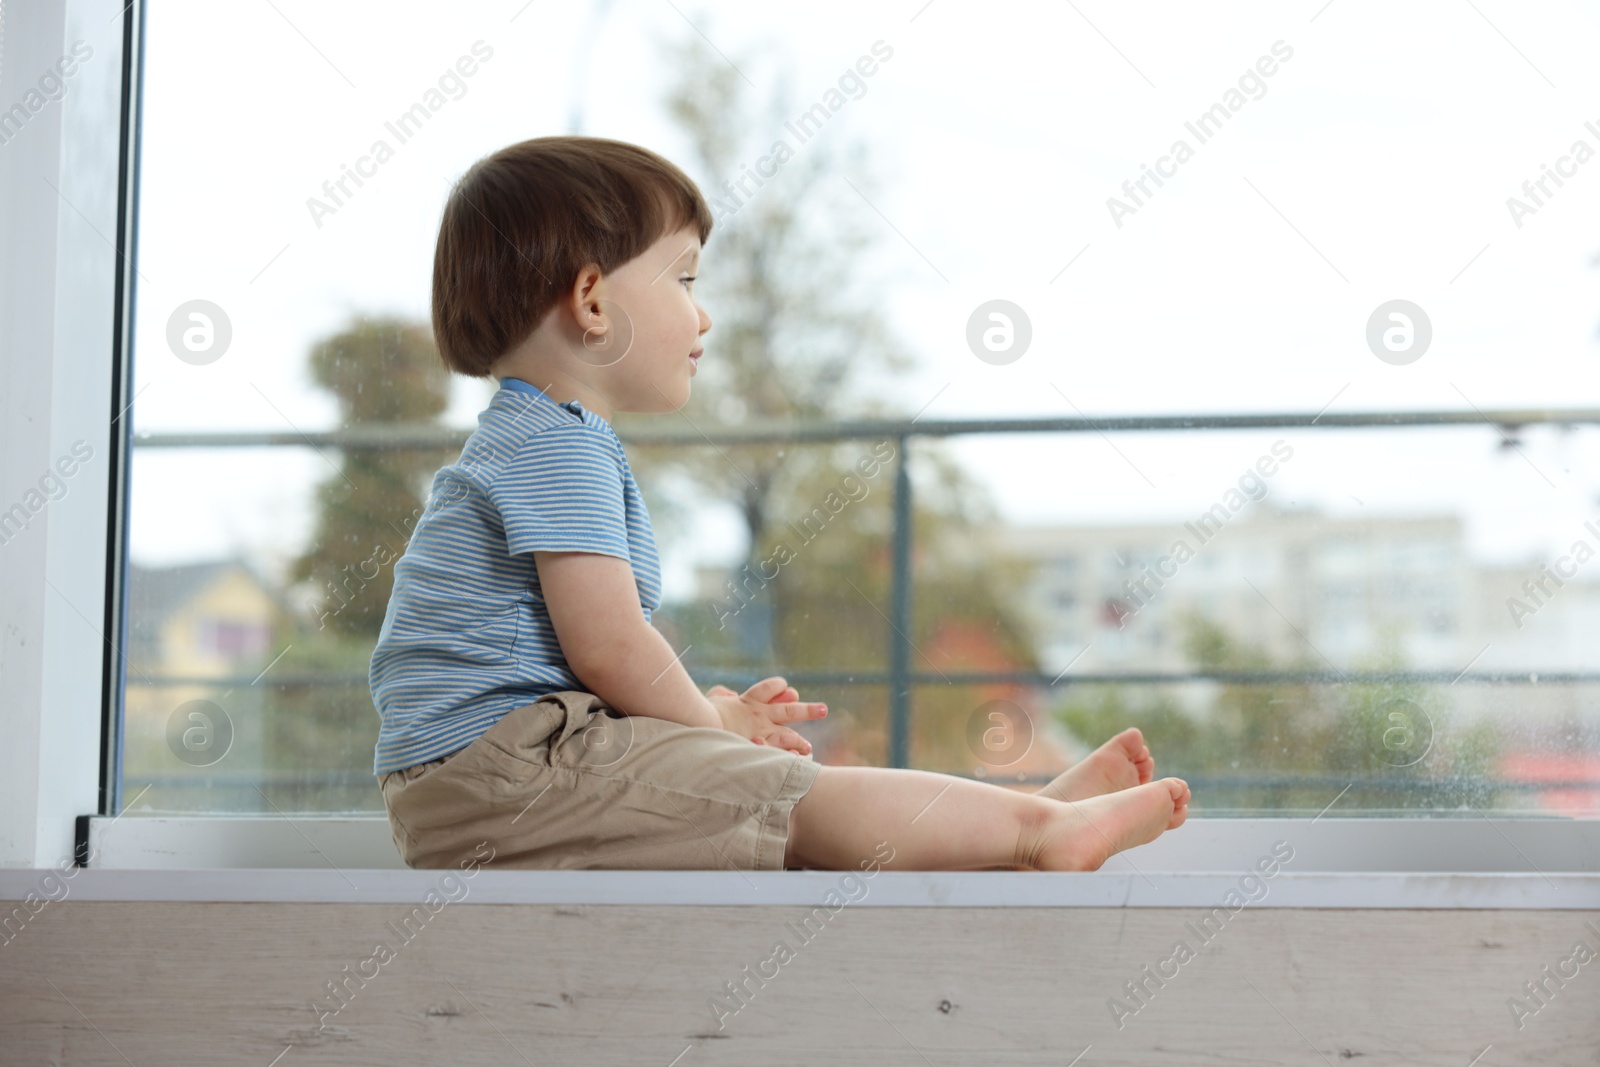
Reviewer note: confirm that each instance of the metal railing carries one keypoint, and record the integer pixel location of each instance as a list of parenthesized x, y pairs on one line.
[(900, 678)]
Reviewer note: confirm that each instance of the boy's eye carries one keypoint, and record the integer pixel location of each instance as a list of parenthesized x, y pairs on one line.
[(688, 278)]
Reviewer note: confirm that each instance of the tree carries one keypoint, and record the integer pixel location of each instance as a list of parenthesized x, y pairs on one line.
[(795, 337), (319, 718), (382, 371), (799, 336)]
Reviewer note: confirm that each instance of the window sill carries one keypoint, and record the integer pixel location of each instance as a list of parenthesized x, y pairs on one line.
[(904, 889), (1377, 863)]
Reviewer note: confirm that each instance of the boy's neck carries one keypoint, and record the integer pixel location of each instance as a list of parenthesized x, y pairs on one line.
[(557, 385)]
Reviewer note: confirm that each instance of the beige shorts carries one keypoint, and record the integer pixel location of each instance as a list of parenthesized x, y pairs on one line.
[(565, 782)]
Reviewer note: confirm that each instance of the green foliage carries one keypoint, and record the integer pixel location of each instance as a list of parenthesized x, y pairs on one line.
[(1266, 725), (1095, 712), (320, 727), (319, 719), (381, 371), (1396, 742)]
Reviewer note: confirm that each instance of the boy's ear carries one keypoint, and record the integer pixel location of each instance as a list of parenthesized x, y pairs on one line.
[(584, 299)]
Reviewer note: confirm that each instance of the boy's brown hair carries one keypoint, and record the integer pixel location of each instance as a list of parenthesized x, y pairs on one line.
[(522, 222)]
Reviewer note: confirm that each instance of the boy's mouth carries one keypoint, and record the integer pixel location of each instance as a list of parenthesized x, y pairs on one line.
[(694, 358)]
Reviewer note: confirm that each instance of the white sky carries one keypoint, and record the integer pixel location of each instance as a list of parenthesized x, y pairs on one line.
[(1376, 166)]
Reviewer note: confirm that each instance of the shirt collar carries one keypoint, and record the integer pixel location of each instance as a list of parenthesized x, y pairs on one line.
[(572, 406)]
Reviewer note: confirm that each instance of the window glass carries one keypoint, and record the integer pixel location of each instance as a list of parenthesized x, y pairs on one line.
[(1188, 218)]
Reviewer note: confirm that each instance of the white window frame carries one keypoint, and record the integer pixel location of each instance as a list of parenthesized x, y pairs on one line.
[(65, 244), (69, 183)]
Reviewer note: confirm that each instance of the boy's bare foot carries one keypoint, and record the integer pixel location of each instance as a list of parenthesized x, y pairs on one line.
[(1082, 835), (1121, 763)]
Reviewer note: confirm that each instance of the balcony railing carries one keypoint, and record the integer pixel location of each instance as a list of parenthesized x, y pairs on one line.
[(900, 678)]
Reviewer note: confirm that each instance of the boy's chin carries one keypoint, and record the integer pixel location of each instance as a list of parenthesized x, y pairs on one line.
[(664, 398)]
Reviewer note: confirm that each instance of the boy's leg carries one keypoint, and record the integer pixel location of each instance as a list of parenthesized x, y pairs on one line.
[(932, 821), (940, 822)]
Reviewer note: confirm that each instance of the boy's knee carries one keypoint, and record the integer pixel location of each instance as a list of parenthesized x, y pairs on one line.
[(799, 816)]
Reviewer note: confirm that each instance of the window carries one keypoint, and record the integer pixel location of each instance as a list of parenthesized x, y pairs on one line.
[(291, 411)]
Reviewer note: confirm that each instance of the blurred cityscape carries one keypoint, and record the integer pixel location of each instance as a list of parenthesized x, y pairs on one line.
[(1300, 590)]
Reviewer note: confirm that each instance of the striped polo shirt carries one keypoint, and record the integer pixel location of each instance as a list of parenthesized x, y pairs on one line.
[(466, 636)]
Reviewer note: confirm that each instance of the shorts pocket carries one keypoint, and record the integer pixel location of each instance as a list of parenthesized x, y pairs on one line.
[(593, 740), (524, 735)]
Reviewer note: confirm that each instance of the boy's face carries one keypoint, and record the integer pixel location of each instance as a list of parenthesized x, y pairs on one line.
[(653, 306)]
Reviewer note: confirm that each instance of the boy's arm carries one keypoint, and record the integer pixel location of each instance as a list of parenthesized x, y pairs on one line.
[(593, 604)]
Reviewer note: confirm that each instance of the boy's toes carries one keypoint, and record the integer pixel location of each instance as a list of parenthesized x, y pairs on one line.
[(1179, 814), (1130, 744), (1179, 791)]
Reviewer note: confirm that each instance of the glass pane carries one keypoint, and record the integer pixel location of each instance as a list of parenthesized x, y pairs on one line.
[(1363, 618), (1283, 648)]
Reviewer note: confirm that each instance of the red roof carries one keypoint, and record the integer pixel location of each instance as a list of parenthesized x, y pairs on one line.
[(1583, 767)]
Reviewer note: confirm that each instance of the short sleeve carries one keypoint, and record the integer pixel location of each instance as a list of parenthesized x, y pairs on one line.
[(561, 491)]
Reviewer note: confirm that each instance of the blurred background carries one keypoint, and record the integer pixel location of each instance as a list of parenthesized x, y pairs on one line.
[(1382, 248)]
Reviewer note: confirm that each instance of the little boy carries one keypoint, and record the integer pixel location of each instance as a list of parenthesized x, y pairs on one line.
[(530, 712)]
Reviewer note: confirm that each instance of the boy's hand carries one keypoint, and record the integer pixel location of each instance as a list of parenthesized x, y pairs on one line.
[(786, 693), (760, 711)]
